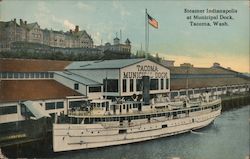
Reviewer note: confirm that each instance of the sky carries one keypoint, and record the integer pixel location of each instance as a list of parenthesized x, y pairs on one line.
[(175, 39)]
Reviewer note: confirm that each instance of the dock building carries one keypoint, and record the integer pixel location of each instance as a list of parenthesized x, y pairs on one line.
[(33, 89)]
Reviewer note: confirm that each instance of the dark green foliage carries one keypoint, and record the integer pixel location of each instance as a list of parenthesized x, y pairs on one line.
[(50, 56)]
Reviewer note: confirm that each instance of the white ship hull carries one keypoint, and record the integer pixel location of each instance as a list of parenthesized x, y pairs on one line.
[(83, 136)]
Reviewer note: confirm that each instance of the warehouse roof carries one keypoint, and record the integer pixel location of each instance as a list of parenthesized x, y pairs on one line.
[(176, 84), (102, 64), (78, 78), (197, 70), (31, 65), (20, 90)]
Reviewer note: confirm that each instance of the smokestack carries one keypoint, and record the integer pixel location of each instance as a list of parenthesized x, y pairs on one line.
[(145, 90), (76, 28), (70, 31), (15, 20), (25, 22)]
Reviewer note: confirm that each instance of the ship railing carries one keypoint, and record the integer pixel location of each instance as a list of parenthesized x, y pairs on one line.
[(79, 113)]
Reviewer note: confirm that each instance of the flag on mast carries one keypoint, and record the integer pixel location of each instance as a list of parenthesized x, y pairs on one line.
[(152, 21)]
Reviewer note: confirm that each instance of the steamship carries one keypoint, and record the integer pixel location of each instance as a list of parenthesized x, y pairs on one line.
[(105, 122)]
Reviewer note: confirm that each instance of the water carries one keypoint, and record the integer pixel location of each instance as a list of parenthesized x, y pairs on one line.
[(227, 138)]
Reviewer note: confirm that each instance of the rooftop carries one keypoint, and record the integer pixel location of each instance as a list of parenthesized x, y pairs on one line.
[(176, 84), (31, 65), (197, 70), (102, 64), (22, 90), (78, 78)]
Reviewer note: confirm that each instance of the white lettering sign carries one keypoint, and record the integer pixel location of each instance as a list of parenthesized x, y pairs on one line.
[(145, 70)]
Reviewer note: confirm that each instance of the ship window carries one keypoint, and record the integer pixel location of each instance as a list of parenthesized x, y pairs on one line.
[(98, 105), (174, 114), (59, 105), (95, 89), (162, 84), (124, 85), (134, 105), (142, 117), (154, 84), (73, 104), (138, 84), (164, 126), (131, 86), (49, 106), (110, 85), (190, 92), (97, 119), (196, 91), (103, 104), (167, 83), (183, 93), (174, 94), (122, 131), (8, 110)]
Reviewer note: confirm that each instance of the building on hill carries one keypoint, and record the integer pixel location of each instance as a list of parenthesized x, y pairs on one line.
[(116, 50), (11, 32)]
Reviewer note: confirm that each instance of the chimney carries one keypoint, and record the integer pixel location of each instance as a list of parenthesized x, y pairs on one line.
[(15, 20), (76, 28), (21, 22), (25, 22), (70, 31), (145, 90)]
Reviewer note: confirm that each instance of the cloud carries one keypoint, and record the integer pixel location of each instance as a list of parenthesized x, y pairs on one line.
[(97, 38), (45, 17), (118, 6), (85, 7), (68, 25), (241, 63), (43, 8), (125, 13)]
